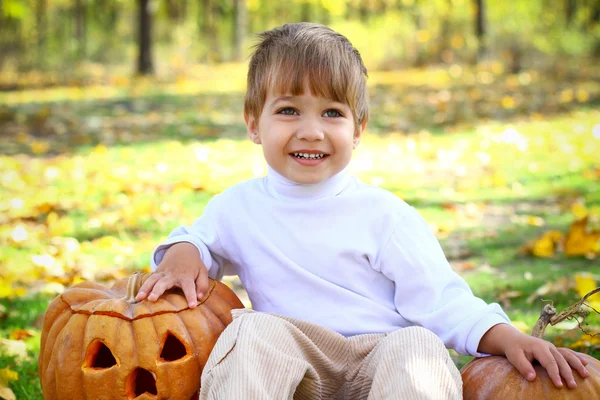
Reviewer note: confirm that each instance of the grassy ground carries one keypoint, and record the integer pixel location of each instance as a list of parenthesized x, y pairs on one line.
[(88, 189)]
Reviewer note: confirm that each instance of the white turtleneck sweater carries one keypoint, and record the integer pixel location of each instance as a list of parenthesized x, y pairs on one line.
[(342, 254)]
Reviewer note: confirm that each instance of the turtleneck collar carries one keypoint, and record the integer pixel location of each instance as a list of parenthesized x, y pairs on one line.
[(281, 187)]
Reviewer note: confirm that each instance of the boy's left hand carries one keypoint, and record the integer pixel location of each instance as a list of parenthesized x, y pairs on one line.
[(559, 362), (521, 350)]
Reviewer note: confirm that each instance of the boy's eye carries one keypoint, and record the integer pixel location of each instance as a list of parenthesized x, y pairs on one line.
[(287, 111), (332, 113)]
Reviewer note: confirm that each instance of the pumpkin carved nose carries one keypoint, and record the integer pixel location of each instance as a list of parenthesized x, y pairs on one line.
[(141, 381)]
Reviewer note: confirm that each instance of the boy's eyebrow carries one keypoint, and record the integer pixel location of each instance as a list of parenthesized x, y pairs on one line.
[(291, 97), (282, 98)]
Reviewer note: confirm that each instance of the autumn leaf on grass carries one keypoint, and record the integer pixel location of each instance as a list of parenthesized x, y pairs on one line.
[(562, 285), (580, 241), (21, 334), (585, 283), (7, 375), (544, 246), (505, 295)]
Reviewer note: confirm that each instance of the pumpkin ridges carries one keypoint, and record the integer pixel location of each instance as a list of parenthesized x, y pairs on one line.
[(50, 340), (224, 292), (78, 296), (69, 360), (54, 310), (106, 383), (198, 329), (170, 373), (206, 331), (222, 309)]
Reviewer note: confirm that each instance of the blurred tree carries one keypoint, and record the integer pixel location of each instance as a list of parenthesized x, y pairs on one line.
[(145, 64), (80, 13), (570, 9), (176, 10), (41, 30), (480, 28), (209, 31), (240, 28)]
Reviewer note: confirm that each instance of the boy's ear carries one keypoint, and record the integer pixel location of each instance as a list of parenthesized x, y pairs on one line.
[(252, 128), (358, 134)]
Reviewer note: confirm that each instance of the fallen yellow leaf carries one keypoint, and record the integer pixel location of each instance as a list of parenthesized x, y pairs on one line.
[(545, 246), (6, 393), (580, 242), (7, 375), (585, 283)]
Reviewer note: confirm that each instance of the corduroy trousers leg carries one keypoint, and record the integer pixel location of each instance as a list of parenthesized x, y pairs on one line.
[(262, 356)]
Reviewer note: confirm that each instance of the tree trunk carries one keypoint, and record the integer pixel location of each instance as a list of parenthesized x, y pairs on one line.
[(419, 55), (176, 10), (306, 12), (570, 9), (240, 27), (145, 65), (480, 28), (81, 28), (445, 53), (41, 23), (210, 31)]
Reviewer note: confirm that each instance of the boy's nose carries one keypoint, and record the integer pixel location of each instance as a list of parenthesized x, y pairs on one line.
[(310, 131)]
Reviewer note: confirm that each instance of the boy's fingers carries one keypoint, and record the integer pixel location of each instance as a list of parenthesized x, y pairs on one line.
[(147, 286), (576, 361), (581, 357), (523, 365), (565, 369), (189, 291), (160, 287), (549, 362), (201, 283)]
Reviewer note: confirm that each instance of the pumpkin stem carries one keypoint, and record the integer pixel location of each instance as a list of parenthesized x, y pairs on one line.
[(134, 284), (549, 315), (545, 316)]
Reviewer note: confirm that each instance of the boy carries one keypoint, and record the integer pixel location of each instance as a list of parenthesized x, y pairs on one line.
[(352, 295)]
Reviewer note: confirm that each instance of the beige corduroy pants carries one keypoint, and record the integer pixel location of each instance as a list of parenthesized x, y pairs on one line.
[(263, 356)]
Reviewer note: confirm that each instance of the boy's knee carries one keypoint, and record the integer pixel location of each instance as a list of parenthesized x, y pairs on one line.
[(411, 338), (259, 322)]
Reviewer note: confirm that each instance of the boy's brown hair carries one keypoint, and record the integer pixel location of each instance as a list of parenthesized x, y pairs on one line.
[(292, 55)]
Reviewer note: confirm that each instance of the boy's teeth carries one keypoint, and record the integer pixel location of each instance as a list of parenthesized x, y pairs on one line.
[(307, 155)]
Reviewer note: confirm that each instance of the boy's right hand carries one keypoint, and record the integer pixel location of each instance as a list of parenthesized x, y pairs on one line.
[(181, 266)]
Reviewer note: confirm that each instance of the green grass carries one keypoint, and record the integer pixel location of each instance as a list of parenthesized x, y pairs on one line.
[(133, 183)]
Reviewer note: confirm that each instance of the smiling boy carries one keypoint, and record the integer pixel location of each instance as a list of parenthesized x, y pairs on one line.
[(352, 295)]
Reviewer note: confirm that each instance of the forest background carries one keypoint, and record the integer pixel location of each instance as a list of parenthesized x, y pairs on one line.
[(120, 119)]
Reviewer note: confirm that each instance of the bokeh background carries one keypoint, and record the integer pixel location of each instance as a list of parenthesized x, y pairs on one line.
[(120, 119)]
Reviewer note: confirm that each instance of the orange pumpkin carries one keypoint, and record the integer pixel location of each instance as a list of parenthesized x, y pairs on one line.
[(495, 378), (99, 343)]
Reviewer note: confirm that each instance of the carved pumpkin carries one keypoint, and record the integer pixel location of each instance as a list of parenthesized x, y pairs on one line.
[(495, 377), (99, 343)]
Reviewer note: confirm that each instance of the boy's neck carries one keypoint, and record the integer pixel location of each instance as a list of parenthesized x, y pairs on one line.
[(283, 188)]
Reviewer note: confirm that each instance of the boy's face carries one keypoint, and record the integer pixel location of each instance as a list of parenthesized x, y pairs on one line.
[(292, 127)]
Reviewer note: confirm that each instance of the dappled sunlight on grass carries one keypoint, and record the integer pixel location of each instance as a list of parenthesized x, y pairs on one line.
[(88, 188)]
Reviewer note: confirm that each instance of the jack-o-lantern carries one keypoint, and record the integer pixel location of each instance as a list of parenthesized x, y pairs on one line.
[(99, 343)]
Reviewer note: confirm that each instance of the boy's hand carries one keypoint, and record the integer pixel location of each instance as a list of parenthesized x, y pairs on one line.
[(181, 266), (520, 350)]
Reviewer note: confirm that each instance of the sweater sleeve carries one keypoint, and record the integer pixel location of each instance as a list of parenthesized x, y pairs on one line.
[(204, 235), (429, 293)]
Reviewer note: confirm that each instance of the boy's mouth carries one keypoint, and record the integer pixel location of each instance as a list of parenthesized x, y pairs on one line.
[(309, 156)]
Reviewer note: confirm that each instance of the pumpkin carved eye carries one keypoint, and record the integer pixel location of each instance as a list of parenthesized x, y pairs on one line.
[(173, 349), (99, 356)]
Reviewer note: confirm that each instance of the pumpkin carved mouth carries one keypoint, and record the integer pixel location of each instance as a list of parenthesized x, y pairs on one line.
[(141, 381)]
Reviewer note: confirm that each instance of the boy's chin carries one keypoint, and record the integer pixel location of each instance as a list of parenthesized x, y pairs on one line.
[(308, 179)]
